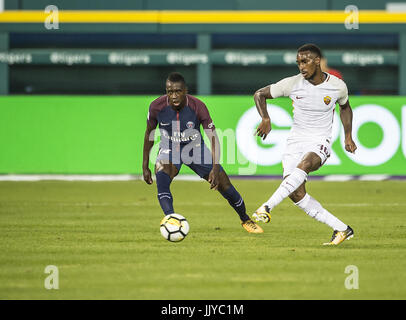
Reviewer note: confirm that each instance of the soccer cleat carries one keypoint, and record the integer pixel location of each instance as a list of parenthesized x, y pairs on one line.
[(251, 226), (340, 236), (262, 214)]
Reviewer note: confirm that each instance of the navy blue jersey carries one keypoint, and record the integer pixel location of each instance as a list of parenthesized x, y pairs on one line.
[(179, 128)]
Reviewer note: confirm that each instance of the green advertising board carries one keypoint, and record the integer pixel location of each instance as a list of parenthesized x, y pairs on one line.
[(104, 135)]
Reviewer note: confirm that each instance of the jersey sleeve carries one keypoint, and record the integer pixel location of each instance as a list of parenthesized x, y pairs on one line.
[(152, 120), (283, 87), (204, 117), (343, 94)]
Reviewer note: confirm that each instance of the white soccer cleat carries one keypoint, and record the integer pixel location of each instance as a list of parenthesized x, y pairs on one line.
[(263, 214)]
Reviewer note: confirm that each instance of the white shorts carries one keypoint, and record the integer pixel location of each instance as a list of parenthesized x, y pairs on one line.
[(296, 149)]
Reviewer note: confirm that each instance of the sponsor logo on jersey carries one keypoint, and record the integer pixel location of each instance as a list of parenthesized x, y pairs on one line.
[(327, 100), (180, 137), (190, 125)]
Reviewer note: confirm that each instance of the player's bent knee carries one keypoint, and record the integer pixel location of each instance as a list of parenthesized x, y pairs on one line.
[(311, 162), (161, 166), (305, 165), (168, 168)]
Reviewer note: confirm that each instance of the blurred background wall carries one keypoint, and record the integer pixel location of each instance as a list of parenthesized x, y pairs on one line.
[(57, 64), (122, 58)]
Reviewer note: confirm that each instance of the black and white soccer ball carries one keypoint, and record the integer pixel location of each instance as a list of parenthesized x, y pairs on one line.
[(174, 227)]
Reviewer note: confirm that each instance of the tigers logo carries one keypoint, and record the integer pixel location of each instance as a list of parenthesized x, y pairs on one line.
[(327, 100)]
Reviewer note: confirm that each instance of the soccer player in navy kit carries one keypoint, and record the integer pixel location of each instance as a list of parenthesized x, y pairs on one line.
[(179, 116)]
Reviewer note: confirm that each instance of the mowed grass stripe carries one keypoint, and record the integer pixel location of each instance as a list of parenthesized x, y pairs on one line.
[(104, 238)]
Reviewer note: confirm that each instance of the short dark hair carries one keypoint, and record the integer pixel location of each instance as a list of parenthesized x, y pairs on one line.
[(176, 77), (312, 48)]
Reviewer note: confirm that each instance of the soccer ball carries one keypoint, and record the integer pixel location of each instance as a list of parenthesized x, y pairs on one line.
[(174, 227)]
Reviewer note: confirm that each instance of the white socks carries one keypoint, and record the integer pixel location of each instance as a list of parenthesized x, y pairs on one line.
[(290, 184), (308, 204), (314, 209)]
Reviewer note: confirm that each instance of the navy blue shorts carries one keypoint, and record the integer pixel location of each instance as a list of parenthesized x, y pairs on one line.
[(199, 158)]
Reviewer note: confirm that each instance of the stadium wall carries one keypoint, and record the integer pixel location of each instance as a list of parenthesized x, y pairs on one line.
[(104, 135), (197, 5), (123, 71), (372, 57)]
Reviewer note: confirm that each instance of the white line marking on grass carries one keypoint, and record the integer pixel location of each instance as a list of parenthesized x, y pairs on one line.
[(396, 204), (337, 177), (86, 177), (63, 177), (374, 177), (203, 204), (181, 177)]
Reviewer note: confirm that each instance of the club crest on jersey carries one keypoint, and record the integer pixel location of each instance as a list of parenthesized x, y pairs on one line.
[(327, 100), (190, 125)]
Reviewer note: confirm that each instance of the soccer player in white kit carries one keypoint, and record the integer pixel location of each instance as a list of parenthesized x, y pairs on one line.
[(314, 94)]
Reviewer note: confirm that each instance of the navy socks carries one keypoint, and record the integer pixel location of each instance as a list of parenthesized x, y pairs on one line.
[(163, 181), (236, 201), (165, 199)]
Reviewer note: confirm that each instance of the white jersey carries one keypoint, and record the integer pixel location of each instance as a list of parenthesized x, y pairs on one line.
[(313, 105)]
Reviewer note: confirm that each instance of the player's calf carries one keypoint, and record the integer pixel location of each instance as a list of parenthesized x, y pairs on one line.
[(163, 182), (298, 194), (236, 202)]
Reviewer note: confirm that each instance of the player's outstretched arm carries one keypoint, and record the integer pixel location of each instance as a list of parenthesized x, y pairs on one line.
[(260, 98), (148, 144), (346, 120)]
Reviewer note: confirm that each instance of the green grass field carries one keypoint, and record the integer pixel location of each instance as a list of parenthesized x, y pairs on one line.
[(104, 238)]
